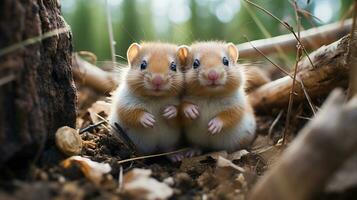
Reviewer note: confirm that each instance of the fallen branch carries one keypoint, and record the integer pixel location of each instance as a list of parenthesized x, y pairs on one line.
[(319, 150), (92, 76), (104, 82), (311, 39), (330, 71)]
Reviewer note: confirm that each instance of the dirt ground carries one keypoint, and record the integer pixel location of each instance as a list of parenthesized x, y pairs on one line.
[(213, 175)]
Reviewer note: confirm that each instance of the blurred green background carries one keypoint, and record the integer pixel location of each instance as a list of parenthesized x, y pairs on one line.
[(184, 21)]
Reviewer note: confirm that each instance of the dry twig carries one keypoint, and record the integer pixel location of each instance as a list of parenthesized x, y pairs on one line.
[(152, 156), (276, 120), (291, 95), (268, 59), (286, 25)]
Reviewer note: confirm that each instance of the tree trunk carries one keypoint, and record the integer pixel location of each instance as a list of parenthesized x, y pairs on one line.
[(37, 94)]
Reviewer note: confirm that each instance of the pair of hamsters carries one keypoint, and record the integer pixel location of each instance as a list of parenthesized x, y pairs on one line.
[(197, 92)]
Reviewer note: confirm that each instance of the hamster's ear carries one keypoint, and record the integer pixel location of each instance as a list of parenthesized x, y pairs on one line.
[(133, 52), (233, 51), (182, 54)]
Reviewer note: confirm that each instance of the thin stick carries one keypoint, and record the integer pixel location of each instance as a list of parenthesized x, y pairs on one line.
[(152, 156), (33, 40), (121, 131), (298, 23), (90, 127), (276, 120), (302, 117), (308, 97), (110, 31), (265, 32), (7, 79), (261, 53), (291, 97), (287, 26), (122, 57), (120, 178)]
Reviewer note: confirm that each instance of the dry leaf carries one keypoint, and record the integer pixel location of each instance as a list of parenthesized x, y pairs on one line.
[(223, 162), (99, 107), (238, 154), (137, 184), (94, 171)]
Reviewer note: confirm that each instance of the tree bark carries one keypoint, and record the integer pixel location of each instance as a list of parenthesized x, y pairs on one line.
[(37, 94)]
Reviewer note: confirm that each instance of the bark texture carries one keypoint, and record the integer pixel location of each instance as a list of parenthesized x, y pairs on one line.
[(39, 96)]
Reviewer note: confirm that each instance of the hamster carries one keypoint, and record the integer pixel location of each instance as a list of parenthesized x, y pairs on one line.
[(254, 77), (216, 111), (146, 102)]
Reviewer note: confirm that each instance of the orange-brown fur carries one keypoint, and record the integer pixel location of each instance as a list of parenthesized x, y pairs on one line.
[(210, 56), (254, 78), (231, 116), (146, 110), (184, 120), (158, 63), (130, 116), (221, 103)]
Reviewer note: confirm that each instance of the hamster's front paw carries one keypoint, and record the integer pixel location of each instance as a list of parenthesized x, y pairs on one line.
[(170, 112), (215, 126), (192, 152), (191, 111), (147, 120), (178, 157)]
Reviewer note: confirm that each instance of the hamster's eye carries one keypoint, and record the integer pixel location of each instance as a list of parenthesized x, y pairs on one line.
[(225, 61), (196, 64), (143, 65), (173, 66)]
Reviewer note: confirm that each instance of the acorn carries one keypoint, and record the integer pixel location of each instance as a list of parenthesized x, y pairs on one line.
[(68, 141)]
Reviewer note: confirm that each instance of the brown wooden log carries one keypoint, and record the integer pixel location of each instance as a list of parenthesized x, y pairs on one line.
[(92, 76), (41, 95), (311, 39), (104, 82), (330, 71), (319, 150)]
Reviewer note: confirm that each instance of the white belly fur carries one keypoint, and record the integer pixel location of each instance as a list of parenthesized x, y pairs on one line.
[(237, 137), (162, 137)]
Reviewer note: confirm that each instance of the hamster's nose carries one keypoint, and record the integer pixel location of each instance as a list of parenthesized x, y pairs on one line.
[(212, 75), (157, 80)]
